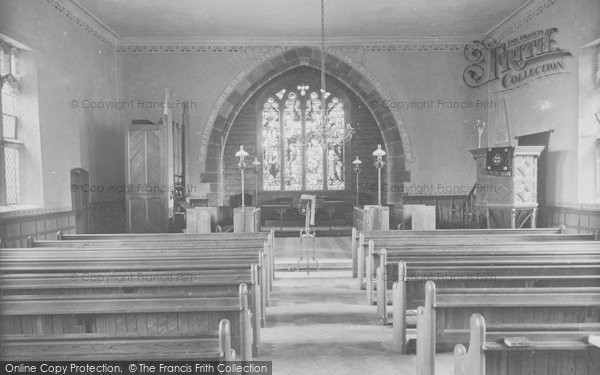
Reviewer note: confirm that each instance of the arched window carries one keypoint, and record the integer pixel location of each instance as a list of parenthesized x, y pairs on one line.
[(299, 151)]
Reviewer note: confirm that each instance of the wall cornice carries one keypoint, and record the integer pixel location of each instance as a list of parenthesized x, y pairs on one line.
[(520, 18), (89, 23), (384, 45), (80, 17), (84, 19)]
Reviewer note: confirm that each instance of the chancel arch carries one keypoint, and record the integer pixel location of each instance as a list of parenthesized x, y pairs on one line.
[(293, 156), (353, 78)]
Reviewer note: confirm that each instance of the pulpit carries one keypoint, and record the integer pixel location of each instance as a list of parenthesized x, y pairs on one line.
[(507, 181)]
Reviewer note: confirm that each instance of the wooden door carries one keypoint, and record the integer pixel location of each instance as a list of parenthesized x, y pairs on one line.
[(539, 139), (147, 194)]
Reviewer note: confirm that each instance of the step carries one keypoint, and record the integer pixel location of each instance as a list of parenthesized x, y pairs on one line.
[(291, 264)]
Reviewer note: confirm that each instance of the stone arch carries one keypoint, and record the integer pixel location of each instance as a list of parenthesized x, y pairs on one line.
[(281, 60)]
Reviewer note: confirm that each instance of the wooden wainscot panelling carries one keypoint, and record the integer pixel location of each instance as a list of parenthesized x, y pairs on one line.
[(16, 226), (576, 220)]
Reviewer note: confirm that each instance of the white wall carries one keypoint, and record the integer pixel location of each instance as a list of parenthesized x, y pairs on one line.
[(554, 103), (71, 65)]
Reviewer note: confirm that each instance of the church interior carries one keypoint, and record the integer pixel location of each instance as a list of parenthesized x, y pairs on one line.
[(311, 187)]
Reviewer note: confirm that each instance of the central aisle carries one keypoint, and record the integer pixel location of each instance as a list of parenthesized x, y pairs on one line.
[(321, 324)]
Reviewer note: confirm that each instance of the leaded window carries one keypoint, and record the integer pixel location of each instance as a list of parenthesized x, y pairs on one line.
[(300, 151), (9, 122)]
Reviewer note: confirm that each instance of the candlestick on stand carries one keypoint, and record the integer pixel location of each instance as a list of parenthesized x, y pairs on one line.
[(379, 163), (357, 169), (242, 154)]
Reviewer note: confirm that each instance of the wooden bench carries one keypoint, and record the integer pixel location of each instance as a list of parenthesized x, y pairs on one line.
[(110, 260), (201, 283), (408, 290), (89, 347), (361, 250), (49, 324), (370, 249), (93, 262), (529, 312), (390, 256), (172, 247), (556, 351), (268, 237)]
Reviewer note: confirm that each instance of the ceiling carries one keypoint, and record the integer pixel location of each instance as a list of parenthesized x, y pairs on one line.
[(299, 19)]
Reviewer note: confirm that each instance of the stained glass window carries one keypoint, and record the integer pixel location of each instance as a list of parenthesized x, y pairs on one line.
[(271, 135), (299, 151)]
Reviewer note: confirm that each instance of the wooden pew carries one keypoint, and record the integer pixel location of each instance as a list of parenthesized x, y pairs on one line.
[(88, 347), (529, 312), (101, 260), (373, 246), (365, 237), (163, 253), (478, 267), (389, 256), (268, 237), (90, 260), (216, 283), (145, 319), (408, 291), (557, 351), (174, 243)]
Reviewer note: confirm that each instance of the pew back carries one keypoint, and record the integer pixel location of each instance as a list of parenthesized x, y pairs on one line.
[(528, 312), (560, 352)]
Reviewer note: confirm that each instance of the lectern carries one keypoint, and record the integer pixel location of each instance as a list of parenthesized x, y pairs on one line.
[(507, 180), (308, 207)]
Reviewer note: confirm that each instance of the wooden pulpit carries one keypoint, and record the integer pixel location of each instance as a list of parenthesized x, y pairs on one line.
[(507, 180)]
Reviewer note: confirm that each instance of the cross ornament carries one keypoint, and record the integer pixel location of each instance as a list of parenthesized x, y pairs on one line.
[(302, 87)]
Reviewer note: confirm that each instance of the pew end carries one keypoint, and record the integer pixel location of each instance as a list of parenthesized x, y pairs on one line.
[(459, 359), (380, 277), (489, 354), (225, 340), (399, 309)]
